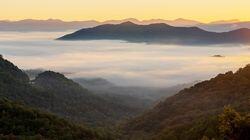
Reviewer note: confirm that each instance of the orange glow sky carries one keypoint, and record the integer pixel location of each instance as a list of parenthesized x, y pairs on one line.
[(202, 10)]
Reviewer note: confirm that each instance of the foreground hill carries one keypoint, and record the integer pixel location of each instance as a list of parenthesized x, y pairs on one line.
[(192, 113), (159, 33), (55, 93), (21, 122)]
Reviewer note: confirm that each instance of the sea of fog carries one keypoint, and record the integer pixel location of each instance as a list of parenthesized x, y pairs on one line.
[(123, 63)]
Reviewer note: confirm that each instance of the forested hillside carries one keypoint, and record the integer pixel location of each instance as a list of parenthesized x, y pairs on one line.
[(55, 93), (218, 108), (193, 112), (22, 122)]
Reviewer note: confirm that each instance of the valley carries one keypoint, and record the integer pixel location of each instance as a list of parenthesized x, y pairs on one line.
[(124, 70), (121, 116), (118, 90)]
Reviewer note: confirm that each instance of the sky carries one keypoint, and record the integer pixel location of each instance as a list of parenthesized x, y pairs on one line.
[(68, 10)]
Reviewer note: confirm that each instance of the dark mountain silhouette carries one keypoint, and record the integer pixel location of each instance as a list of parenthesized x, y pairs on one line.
[(159, 33), (180, 22), (192, 112)]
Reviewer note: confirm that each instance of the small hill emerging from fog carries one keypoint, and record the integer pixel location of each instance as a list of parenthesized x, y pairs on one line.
[(191, 114), (159, 33)]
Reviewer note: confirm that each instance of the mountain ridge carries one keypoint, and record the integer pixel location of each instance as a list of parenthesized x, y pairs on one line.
[(200, 101), (159, 33), (60, 25)]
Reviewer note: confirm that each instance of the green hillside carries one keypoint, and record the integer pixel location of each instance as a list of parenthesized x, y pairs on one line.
[(193, 112), (21, 122)]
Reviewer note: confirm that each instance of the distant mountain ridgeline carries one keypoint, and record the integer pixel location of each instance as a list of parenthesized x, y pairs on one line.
[(50, 25), (59, 25), (159, 34)]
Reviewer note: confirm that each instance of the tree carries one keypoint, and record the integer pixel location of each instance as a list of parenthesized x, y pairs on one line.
[(234, 126)]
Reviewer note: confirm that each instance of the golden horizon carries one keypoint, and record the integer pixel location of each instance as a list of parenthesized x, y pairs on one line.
[(120, 19), (77, 10)]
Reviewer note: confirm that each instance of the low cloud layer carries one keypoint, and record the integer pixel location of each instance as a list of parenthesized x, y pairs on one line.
[(123, 63)]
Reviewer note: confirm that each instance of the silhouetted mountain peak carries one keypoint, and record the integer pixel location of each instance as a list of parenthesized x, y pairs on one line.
[(153, 25), (163, 25), (159, 33), (128, 23)]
